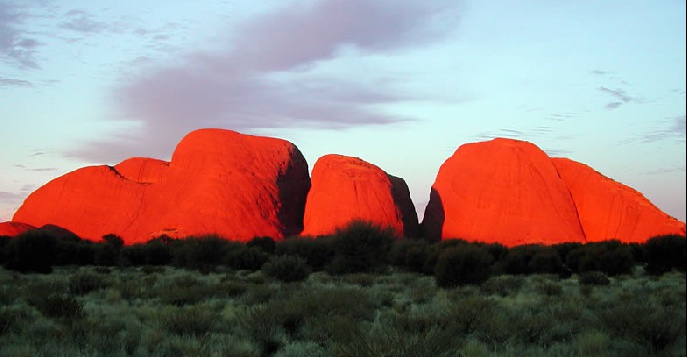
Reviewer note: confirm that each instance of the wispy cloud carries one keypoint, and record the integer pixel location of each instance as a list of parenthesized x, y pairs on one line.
[(17, 46), (675, 130), (619, 94), (266, 76), (13, 82), (82, 21)]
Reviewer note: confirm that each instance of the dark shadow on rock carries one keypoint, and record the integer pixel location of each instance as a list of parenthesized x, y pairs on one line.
[(433, 221), (401, 196)]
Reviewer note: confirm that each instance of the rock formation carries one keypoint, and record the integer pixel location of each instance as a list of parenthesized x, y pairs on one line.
[(504, 191), (610, 210), (12, 228), (511, 192), (347, 188), (218, 181)]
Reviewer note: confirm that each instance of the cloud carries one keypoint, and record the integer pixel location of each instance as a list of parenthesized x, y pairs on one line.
[(17, 48), (266, 75), (676, 130), (619, 94), (666, 170), (81, 21), (13, 82)]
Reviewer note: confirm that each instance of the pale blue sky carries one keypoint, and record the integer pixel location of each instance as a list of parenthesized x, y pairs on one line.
[(400, 84)]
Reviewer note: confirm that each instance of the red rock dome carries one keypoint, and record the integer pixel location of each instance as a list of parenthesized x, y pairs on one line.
[(504, 191), (12, 228), (218, 181), (345, 189), (610, 210)]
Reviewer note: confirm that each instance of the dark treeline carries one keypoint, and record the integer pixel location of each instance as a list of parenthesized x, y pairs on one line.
[(361, 247)]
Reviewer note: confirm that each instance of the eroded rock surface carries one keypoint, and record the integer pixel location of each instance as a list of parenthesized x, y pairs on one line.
[(218, 181), (345, 189)]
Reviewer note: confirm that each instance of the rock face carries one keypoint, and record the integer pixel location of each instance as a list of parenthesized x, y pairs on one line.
[(504, 191), (511, 192), (218, 181), (611, 210), (347, 188), (12, 228)]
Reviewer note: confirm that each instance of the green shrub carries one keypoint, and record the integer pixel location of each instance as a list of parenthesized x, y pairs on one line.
[(410, 254), (202, 253), (31, 251), (58, 306), (664, 253), (266, 244), (84, 283), (286, 268), (593, 278), (654, 326), (532, 259), (503, 285), (360, 247), (246, 258), (460, 265), (193, 321), (316, 252)]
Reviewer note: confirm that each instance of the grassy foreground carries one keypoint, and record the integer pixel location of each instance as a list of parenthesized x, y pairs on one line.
[(165, 311)]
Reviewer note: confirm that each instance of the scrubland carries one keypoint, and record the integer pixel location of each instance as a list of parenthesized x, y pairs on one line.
[(377, 297)]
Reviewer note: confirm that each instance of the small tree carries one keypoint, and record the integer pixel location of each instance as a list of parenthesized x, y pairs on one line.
[(461, 265), (31, 251), (360, 247), (286, 268)]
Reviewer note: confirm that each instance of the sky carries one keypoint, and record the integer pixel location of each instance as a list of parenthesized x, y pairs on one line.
[(400, 84)]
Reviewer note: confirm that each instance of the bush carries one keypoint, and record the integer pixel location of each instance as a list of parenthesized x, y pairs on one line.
[(316, 252), (532, 259), (593, 278), (266, 244), (84, 283), (286, 268), (360, 247), (411, 255), (31, 251), (202, 253), (664, 253), (246, 258), (611, 257), (460, 265), (58, 306)]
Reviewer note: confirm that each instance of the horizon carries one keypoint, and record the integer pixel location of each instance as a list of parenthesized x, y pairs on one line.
[(400, 86)]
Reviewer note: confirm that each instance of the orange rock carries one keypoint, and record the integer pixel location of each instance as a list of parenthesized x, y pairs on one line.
[(504, 191), (611, 210), (13, 228), (218, 181), (345, 189)]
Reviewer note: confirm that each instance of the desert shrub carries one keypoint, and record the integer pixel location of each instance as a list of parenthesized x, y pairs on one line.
[(266, 244), (73, 250), (611, 257), (58, 306), (189, 321), (531, 259), (31, 251), (202, 253), (360, 247), (286, 268), (460, 265), (503, 285), (654, 326), (664, 253), (410, 255), (246, 258), (593, 278), (316, 252), (84, 283), (154, 252)]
